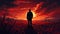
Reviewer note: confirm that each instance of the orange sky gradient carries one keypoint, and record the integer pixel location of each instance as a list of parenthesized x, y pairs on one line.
[(39, 12)]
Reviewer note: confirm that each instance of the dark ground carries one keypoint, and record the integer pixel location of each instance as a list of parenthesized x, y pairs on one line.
[(11, 26)]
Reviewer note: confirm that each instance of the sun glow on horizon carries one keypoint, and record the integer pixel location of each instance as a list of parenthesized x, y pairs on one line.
[(24, 16)]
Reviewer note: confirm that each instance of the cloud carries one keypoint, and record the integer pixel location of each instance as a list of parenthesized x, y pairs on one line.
[(40, 7)]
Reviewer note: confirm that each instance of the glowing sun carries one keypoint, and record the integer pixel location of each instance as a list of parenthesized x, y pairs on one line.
[(34, 15)]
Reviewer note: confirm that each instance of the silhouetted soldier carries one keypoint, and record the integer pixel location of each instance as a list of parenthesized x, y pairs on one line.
[(29, 17), (30, 29)]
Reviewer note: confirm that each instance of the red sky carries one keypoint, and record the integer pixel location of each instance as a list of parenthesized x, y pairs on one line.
[(41, 10)]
